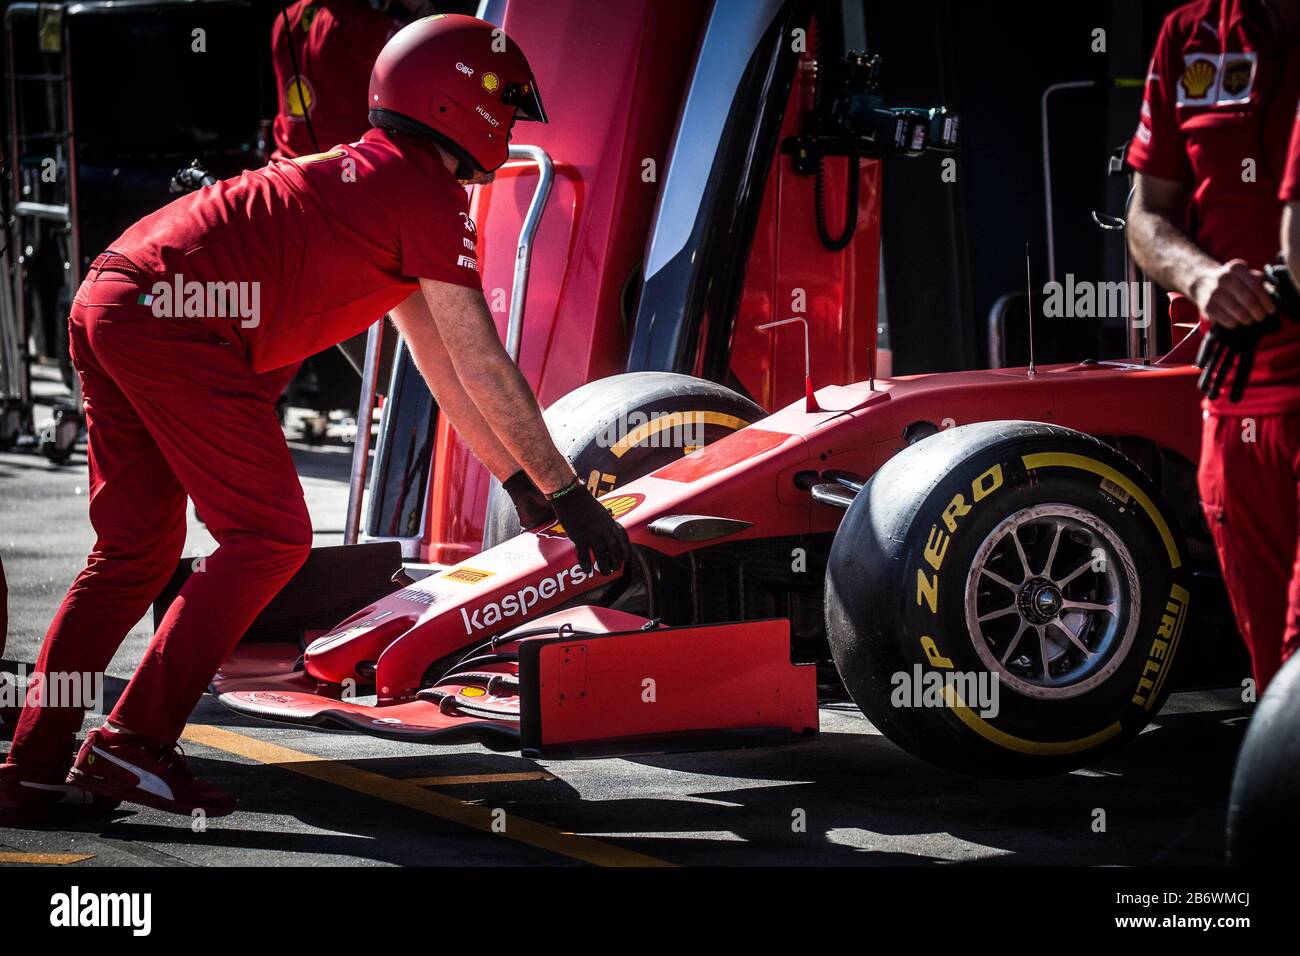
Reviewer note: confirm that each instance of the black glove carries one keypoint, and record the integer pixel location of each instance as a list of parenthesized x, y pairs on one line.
[(591, 528), (1223, 348), (530, 504)]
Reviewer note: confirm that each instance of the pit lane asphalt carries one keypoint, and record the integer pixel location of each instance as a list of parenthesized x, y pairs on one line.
[(312, 798)]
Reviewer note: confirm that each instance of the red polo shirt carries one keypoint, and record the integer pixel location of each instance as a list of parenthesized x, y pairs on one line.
[(1220, 99), (321, 245), (336, 43)]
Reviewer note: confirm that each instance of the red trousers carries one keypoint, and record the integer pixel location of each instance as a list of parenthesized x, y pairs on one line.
[(171, 411), (1250, 491)]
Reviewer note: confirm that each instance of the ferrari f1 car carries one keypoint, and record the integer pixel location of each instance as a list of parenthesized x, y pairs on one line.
[(846, 529), (996, 566)]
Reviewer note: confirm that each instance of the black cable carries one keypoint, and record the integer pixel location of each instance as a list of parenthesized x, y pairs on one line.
[(297, 77), (833, 243), (836, 243)]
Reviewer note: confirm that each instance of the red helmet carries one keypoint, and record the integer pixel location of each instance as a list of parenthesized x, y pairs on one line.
[(457, 80)]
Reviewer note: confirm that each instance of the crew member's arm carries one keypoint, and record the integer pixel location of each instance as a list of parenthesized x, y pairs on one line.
[(1228, 293), (413, 320), (461, 332), (1290, 194), (1291, 237)]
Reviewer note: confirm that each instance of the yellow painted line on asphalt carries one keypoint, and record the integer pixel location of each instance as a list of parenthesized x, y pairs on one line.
[(469, 778), (45, 859), (408, 794)]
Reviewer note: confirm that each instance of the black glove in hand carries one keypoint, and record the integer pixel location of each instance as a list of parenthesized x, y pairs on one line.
[(530, 504), (1222, 348), (592, 529)]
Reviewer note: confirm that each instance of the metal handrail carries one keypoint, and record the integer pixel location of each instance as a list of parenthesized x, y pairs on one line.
[(514, 334), (524, 251)]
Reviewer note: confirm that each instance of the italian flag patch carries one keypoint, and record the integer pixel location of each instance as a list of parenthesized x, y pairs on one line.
[(145, 299)]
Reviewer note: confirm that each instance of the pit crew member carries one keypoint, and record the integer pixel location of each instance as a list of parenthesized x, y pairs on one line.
[(301, 254), (1209, 152)]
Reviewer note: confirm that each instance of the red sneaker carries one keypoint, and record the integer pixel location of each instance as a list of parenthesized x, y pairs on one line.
[(28, 796), (138, 770)]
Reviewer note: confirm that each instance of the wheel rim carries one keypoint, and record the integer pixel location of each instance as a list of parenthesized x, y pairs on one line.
[(1052, 601)]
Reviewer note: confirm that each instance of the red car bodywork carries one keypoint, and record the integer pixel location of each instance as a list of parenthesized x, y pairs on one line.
[(612, 76)]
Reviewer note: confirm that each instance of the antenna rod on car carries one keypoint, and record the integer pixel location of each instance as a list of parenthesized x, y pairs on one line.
[(1029, 295)]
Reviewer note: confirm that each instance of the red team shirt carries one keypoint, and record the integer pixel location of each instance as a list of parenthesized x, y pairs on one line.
[(336, 43), (333, 241), (1221, 91)]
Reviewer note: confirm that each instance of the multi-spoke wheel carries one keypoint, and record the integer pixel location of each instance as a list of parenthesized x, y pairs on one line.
[(1029, 577), (1050, 599)]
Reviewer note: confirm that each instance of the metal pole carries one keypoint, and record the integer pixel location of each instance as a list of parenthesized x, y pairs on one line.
[(524, 251), (361, 447), (1047, 171)]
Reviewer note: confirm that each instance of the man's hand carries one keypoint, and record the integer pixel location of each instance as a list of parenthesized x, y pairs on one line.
[(591, 528), (1232, 295), (530, 504)]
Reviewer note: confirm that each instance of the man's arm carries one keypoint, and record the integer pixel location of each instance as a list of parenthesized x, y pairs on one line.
[(1228, 294), (459, 332), (1291, 237), (413, 320)]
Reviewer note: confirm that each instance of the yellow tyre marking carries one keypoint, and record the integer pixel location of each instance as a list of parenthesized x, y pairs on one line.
[(408, 794), (1180, 594), (674, 420), (470, 778), (45, 859), (1065, 460), (1007, 741)]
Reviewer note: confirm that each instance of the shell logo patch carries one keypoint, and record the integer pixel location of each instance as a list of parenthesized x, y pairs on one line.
[(299, 98), (468, 575), (617, 506), (1217, 79), (1197, 79), (472, 692), (491, 82)]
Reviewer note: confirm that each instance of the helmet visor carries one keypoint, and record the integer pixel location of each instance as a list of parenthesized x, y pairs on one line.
[(526, 101)]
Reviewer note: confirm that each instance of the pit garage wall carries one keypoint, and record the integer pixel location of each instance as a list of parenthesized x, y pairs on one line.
[(953, 249)]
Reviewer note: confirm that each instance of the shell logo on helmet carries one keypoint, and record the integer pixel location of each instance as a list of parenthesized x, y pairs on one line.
[(491, 82)]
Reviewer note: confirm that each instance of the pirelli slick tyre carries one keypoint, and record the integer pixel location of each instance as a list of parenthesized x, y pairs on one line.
[(1007, 599), (617, 429)]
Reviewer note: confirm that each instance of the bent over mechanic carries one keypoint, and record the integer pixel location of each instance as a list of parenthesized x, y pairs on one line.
[(297, 256), (1210, 153)]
